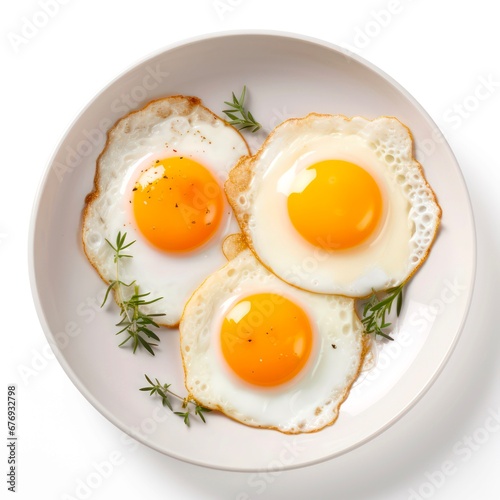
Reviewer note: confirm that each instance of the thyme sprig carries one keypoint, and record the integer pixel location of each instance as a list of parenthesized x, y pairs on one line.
[(134, 322), (246, 119), (163, 390), (375, 311)]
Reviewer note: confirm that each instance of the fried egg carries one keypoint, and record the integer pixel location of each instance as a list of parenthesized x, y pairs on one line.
[(267, 354), (159, 179), (336, 205)]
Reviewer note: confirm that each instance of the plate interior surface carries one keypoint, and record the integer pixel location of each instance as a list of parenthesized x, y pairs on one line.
[(287, 76)]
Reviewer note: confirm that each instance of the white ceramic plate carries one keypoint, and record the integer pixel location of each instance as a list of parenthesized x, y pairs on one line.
[(287, 75)]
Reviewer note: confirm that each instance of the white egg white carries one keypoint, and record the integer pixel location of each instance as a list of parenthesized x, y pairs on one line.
[(308, 402), (259, 186), (173, 126)]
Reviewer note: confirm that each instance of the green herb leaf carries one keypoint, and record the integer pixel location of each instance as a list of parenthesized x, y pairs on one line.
[(163, 391), (185, 416), (375, 311), (237, 107), (132, 318), (199, 410), (166, 402)]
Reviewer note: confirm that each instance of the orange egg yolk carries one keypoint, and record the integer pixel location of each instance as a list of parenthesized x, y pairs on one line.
[(177, 204), (340, 206), (266, 339)]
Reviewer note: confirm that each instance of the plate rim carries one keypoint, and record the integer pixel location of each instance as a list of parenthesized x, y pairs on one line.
[(32, 268)]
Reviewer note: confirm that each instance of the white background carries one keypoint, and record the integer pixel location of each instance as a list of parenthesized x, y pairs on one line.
[(442, 53)]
